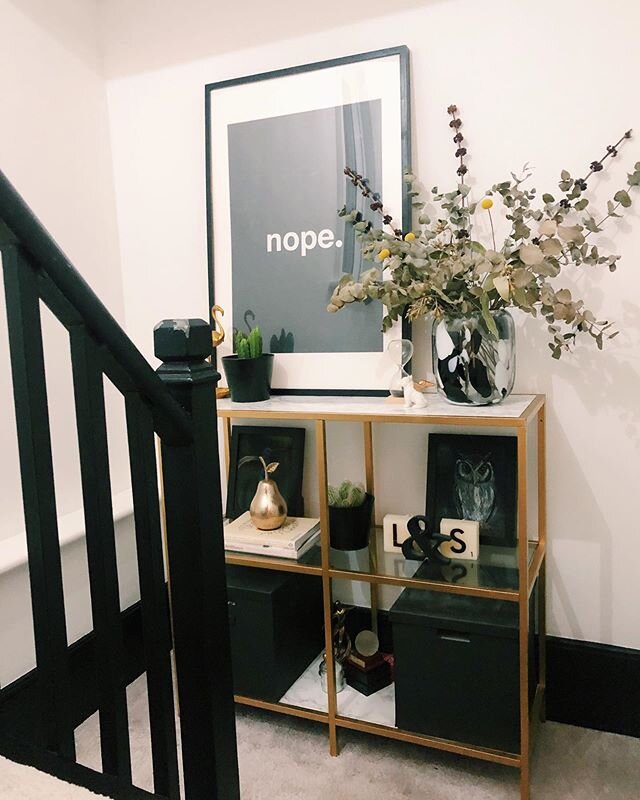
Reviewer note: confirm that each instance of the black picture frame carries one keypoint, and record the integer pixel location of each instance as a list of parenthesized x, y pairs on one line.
[(294, 386), (469, 474), (284, 445)]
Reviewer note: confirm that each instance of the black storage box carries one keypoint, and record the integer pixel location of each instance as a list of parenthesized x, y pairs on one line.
[(276, 625), (457, 668)]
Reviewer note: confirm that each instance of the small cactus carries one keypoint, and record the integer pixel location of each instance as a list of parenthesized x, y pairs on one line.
[(347, 495), (255, 342), (242, 348), (248, 346)]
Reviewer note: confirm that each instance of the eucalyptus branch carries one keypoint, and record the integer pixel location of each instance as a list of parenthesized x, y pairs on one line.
[(461, 152), (440, 269), (375, 203), (612, 152)]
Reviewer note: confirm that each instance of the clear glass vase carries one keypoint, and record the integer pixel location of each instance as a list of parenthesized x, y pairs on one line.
[(471, 365)]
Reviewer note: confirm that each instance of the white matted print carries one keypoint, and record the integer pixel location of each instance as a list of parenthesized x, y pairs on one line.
[(277, 145)]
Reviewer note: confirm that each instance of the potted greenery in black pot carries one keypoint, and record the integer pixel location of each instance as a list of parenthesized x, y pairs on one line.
[(350, 509), (249, 370)]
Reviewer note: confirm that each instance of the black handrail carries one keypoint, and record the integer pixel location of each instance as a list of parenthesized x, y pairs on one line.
[(178, 403), (21, 226)]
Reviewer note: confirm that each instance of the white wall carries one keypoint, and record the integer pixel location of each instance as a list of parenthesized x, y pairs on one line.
[(16, 626), (54, 147), (545, 82)]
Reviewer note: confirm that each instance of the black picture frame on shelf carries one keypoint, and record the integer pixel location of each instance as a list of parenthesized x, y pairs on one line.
[(284, 445), (276, 146), (474, 477)]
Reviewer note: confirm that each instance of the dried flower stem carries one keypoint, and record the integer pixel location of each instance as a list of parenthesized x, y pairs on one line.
[(493, 233), (375, 204), (612, 151), (461, 151)]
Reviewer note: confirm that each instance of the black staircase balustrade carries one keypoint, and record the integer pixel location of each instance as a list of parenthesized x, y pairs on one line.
[(39, 501), (101, 554), (177, 405), (196, 561), (153, 597)]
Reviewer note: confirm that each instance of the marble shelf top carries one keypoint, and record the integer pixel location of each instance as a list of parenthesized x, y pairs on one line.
[(516, 408)]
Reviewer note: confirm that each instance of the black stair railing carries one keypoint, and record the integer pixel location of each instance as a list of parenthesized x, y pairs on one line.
[(177, 405)]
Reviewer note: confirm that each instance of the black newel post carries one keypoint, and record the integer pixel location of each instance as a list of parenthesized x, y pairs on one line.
[(191, 473)]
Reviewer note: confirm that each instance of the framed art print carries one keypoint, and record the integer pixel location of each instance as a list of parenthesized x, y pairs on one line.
[(474, 478), (284, 445), (277, 145)]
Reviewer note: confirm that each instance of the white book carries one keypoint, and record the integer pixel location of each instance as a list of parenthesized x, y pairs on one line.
[(273, 550), (293, 535)]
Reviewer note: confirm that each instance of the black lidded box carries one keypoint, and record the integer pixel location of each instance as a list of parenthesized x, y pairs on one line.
[(457, 668), (276, 627)]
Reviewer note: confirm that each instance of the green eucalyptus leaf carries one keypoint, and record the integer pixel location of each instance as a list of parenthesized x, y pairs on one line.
[(623, 198), (591, 225), (634, 178), (486, 316)]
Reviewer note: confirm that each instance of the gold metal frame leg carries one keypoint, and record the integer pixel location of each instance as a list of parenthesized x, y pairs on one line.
[(367, 430), (523, 603), (524, 781), (542, 639), (542, 579), (332, 703)]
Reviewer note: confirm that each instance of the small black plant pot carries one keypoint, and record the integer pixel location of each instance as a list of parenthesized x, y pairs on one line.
[(349, 527), (249, 379)]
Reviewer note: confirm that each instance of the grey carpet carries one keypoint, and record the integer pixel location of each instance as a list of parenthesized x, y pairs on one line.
[(283, 758)]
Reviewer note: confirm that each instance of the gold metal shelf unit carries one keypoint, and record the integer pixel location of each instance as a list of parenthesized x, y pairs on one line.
[(524, 415)]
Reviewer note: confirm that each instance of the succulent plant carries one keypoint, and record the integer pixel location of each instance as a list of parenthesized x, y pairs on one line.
[(347, 495), (248, 346)]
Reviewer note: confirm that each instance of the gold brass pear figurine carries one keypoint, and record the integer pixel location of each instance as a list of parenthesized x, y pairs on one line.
[(268, 509)]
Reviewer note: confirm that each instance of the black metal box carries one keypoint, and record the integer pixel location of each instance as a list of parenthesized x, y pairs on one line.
[(276, 626), (457, 668)]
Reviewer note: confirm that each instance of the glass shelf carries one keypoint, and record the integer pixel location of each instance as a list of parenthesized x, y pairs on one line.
[(309, 563), (495, 570)]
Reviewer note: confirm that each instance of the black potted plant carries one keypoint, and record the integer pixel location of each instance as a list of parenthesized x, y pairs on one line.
[(350, 510), (249, 370)]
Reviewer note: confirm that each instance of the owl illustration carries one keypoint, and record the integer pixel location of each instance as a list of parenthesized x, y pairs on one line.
[(475, 487)]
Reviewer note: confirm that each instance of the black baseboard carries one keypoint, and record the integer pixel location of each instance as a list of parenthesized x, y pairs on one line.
[(591, 685), (69, 771), (20, 700)]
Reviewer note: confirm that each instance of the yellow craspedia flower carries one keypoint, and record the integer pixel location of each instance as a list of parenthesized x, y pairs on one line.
[(486, 203), (410, 236), (384, 254)]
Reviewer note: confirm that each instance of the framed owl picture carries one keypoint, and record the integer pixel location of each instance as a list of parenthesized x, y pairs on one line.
[(476, 478)]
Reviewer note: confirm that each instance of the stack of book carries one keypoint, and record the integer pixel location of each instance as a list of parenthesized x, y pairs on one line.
[(297, 536)]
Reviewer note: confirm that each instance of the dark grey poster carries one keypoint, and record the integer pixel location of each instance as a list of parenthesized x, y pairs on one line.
[(289, 247)]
